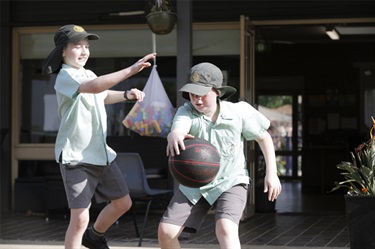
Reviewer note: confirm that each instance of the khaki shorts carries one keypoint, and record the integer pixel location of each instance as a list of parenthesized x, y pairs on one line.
[(229, 205), (84, 181)]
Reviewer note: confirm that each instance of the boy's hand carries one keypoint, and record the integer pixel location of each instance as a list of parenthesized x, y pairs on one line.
[(272, 185), (176, 142), (135, 94), (143, 63)]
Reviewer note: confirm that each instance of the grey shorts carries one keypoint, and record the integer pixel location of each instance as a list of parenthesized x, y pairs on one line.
[(229, 205), (83, 181)]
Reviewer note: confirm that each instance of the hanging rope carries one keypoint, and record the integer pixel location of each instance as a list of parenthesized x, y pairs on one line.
[(154, 46)]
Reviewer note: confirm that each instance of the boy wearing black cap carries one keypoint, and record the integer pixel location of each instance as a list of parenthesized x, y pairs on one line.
[(225, 125), (86, 161)]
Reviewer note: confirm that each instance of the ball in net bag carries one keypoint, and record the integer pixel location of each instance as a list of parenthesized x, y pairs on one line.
[(197, 165)]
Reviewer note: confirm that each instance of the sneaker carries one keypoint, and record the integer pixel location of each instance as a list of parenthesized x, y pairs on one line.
[(94, 244)]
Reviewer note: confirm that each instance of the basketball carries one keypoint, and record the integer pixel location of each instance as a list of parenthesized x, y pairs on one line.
[(197, 165)]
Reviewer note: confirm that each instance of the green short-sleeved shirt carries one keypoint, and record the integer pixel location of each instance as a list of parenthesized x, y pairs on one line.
[(236, 122), (83, 130)]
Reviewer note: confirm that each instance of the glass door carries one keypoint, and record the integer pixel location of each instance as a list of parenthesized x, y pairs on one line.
[(284, 112)]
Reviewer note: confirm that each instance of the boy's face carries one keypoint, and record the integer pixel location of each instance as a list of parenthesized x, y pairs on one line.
[(205, 104), (76, 54)]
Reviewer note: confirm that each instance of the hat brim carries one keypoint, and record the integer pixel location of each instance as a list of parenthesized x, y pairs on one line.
[(226, 92), (201, 90), (194, 88), (89, 36), (53, 62)]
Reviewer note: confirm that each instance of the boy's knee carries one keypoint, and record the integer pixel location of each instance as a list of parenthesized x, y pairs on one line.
[(79, 219), (225, 229), (163, 232), (222, 232), (122, 205), (161, 229)]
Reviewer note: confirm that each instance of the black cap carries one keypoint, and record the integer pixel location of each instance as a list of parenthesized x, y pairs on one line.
[(66, 34)]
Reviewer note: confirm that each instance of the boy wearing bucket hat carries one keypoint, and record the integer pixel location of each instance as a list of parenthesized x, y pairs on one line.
[(225, 125), (86, 161)]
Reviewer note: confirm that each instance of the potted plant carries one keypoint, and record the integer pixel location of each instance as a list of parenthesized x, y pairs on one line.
[(161, 18), (359, 181)]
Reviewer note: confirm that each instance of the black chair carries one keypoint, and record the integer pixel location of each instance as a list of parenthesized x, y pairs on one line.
[(131, 166)]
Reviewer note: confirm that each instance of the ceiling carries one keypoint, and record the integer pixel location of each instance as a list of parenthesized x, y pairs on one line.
[(316, 33), (287, 22)]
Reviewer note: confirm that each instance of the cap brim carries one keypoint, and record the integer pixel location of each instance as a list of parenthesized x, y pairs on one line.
[(92, 36), (194, 88), (197, 89), (79, 37), (53, 62)]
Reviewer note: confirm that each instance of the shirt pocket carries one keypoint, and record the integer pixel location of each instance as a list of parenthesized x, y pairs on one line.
[(229, 147)]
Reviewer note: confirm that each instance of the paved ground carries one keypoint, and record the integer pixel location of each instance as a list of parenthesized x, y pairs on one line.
[(311, 222), (58, 245)]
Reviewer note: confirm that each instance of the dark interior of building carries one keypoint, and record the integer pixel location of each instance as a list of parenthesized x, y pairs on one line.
[(330, 73)]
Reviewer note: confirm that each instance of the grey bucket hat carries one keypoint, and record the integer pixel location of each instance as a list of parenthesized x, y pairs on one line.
[(66, 34), (203, 77)]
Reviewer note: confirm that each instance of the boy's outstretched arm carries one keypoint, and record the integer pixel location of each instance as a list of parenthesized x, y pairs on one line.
[(107, 81)]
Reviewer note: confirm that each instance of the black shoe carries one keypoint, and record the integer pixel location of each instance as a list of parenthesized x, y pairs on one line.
[(93, 244)]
